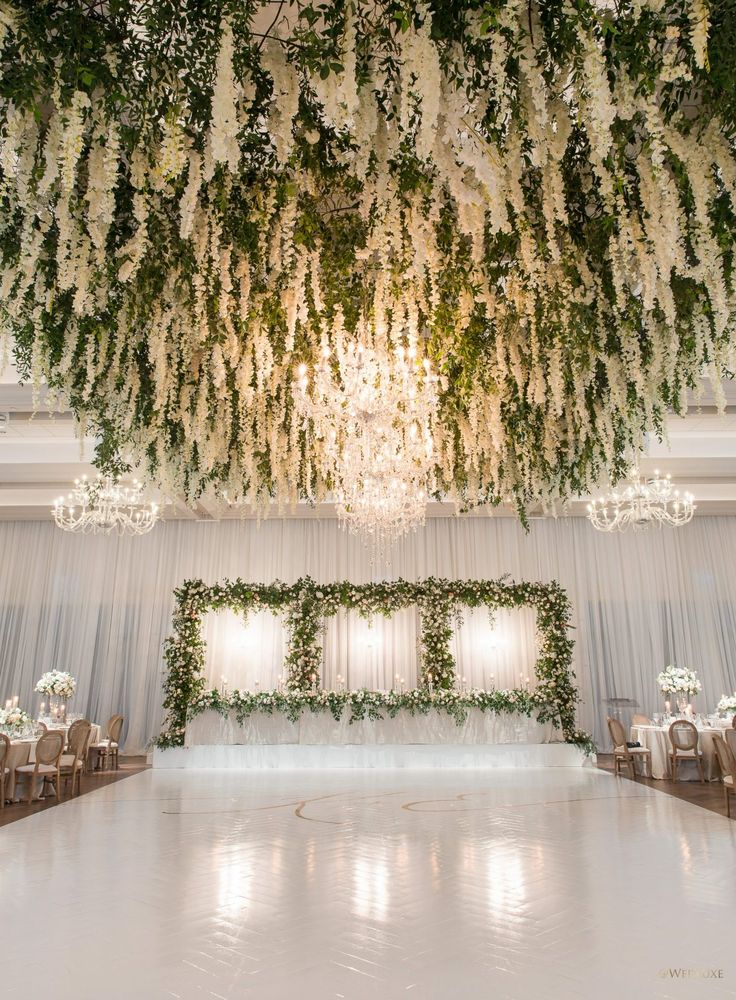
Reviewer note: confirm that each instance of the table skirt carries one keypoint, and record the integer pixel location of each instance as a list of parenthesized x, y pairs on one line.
[(212, 729)]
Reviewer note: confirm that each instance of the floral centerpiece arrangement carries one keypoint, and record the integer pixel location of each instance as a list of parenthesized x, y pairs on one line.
[(727, 704), (56, 683), (59, 686), (14, 720), (680, 681)]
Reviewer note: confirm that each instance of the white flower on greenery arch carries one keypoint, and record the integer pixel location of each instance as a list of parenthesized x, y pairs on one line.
[(304, 606), (57, 683), (543, 194)]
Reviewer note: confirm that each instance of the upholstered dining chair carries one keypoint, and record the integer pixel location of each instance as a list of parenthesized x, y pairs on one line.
[(627, 755), (730, 736), (727, 764), (685, 745), (71, 764), (107, 749), (642, 720), (4, 771), (48, 754)]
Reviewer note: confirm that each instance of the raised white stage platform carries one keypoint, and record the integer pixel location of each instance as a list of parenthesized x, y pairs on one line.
[(318, 741)]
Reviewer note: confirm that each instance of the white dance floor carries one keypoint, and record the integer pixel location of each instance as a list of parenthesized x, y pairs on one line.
[(539, 884)]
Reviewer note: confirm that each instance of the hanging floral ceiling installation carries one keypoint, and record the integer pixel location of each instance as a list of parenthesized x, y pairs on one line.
[(198, 197)]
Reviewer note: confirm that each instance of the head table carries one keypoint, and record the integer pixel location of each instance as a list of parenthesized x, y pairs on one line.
[(657, 739), (23, 751)]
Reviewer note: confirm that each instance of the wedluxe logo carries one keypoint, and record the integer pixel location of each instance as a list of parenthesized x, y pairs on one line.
[(690, 974)]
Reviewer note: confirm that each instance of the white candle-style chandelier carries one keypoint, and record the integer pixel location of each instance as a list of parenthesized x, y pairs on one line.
[(372, 411), (103, 506), (642, 503)]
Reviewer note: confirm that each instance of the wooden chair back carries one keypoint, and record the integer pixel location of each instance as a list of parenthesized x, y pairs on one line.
[(49, 748), (730, 735), (683, 735), (618, 733), (78, 738), (733, 721), (4, 751), (724, 757), (114, 728), (641, 720)]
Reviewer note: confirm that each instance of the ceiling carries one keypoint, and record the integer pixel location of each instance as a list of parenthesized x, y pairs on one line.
[(41, 454)]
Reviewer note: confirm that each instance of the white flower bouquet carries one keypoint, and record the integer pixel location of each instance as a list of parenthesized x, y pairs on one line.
[(57, 683), (678, 680), (727, 704), (14, 719)]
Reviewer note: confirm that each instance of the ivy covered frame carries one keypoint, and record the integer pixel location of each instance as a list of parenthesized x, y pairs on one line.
[(305, 604)]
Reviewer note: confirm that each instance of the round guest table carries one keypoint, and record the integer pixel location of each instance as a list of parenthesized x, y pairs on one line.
[(23, 751), (657, 739)]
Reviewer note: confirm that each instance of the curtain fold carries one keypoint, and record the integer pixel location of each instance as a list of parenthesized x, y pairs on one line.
[(101, 607)]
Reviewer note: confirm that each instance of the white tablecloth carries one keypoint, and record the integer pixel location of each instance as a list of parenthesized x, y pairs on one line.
[(657, 739), (212, 729)]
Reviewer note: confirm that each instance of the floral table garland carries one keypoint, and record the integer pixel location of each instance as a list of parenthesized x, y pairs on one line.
[(305, 604)]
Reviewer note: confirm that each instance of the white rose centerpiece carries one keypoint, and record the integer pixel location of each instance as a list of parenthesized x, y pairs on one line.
[(59, 686), (680, 681), (727, 704), (56, 683), (14, 721)]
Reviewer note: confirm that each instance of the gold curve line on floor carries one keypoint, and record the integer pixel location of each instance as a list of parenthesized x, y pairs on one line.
[(228, 812), (409, 806)]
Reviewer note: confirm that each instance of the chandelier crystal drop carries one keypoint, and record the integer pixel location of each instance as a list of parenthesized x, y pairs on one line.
[(641, 503), (103, 505), (371, 410)]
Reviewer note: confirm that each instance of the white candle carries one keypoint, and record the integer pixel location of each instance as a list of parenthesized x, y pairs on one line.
[(15, 701), (8, 704)]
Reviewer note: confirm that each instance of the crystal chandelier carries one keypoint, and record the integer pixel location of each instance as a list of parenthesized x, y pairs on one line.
[(372, 411), (641, 503), (103, 506)]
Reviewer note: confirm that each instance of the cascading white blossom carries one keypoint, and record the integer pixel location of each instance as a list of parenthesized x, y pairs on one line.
[(430, 194), (224, 122)]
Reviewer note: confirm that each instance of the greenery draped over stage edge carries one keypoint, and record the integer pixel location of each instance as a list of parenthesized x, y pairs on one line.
[(305, 604), (197, 196)]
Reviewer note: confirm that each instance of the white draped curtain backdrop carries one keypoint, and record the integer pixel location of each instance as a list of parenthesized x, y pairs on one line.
[(101, 608)]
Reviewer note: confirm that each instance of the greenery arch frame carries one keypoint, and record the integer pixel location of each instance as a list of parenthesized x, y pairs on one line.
[(305, 604)]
